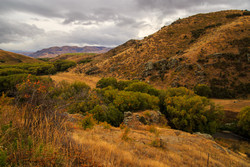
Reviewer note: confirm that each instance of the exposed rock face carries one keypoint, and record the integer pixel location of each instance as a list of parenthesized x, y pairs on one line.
[(207, 136), (149, 117)]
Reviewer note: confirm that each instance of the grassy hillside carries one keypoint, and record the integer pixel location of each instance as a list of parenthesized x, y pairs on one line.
[(211, 49), (14, 58), (76, 57)]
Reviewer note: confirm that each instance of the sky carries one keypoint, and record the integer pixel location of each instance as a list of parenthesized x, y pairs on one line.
[(31, 25)]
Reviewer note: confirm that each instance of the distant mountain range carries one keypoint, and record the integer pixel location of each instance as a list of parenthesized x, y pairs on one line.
[(55, 51)]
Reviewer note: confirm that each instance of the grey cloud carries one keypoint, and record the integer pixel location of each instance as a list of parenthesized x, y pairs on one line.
[(113, 21), (15, 31)]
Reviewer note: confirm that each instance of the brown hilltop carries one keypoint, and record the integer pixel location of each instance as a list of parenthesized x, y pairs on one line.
[(14, 58), (204, 48)]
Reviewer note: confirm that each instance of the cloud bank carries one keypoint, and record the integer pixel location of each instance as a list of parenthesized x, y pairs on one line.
[(32, 25)]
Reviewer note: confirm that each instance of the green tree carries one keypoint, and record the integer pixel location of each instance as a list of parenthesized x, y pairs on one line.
[(202, 90), (244, 121)]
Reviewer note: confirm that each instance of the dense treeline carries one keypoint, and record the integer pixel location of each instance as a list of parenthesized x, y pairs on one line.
[(11, 75), (45, 68)]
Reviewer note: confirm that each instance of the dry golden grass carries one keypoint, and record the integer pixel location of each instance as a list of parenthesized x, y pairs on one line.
[(31, 137), (14, 58), (234, 105), (107, 147), (72, 77)]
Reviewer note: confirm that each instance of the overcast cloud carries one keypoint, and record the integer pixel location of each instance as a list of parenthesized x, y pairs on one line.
[(30, 25)]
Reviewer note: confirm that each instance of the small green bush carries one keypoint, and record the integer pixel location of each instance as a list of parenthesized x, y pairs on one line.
[(63, 65), (202, 90), (105, 82), (233, 15), (3, 158), (12, 71), (244, 121), (88, 122), (84, 61), (143, 88), (121, 85)]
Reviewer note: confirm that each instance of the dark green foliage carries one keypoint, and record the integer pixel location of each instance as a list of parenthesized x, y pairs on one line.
[(84, 61), (11, 71), (244, 121), (34, 68), (246, 13), (8, 83), (221, 92), (202, 90), (131, 101), (189, 112), (105, 82), (88, 122), (108, 114), (45, 59), (233, 15), (143, 88), (197, 33), (121, 85), (3, 158), (63, 65)]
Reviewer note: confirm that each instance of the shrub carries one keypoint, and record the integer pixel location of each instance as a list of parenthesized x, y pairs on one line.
[(84, 61), (233, 15), (189, 112), (88, 122), (8, 83), (114, 116), (63, 65), (143, 88), (202, 90), (244, 121), (11, 71), (246, 13), (128, 101), (121, 85), (105, 82)]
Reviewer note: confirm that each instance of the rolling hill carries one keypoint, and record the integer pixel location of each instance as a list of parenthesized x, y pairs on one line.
[(210, 49), (14, 58), (56, 51)]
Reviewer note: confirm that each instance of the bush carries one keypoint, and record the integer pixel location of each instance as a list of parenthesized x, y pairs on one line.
[(63, 65), (11, 71), (189, 112), (84, 61), (233, 15), (8, 83), (105, 82), (121, 85), (202, 90), (134, 101), (88, 122), (244, 121), (143, 88)]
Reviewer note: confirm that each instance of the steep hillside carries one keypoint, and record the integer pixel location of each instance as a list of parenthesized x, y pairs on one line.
[(211, 49), (14, 58), (55, 51)]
